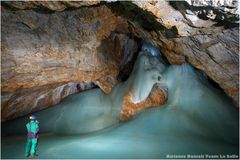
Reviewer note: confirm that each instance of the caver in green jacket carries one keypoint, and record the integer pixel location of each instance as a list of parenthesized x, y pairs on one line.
[(32, 137)]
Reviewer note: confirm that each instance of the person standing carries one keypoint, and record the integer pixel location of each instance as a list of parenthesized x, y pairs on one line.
[(32, 136)]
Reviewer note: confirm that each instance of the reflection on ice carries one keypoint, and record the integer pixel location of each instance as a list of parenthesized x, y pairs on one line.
[(197, 119)]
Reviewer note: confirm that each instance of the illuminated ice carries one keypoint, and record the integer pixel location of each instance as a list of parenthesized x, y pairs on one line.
[(197, 119), (147, 47), (93, 110)]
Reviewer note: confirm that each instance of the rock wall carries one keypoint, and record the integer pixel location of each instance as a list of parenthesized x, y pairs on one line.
[(157, 97), (51, 5), (42, 50), (26, 101), (209, 44), (217, 55)]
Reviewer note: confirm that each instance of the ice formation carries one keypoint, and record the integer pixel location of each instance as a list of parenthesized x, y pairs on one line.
[(147, 47), (93, 110), (197, 119)]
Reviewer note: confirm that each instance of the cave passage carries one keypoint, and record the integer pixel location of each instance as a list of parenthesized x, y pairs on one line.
[(196, 119)]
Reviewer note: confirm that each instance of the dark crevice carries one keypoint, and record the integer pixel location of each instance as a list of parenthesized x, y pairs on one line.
[(43, 10), (147, 20), (8, 7), (206, 79), (214, 84), (164, 59), (126, 70)]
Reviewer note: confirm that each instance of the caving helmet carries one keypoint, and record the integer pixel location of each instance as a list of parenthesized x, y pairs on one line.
[(32, 117)]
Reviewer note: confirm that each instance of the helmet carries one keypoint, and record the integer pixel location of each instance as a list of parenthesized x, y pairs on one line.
[(32, 117)]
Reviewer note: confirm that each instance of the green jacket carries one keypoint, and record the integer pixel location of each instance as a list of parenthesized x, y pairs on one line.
[(33, 129)]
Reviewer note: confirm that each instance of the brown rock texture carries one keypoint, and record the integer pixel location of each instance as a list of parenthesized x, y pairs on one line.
[(106, 83), (41, 49), (184, 16), (51, 5), (45, 50), (27, 101), (157, 97), (211, 45), (216, 55)]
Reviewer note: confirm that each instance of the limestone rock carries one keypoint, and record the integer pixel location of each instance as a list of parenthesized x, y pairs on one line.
[(190, 17), (51, 5), (34, 99), (157, 97), (44, 50), (216, 55), (106, 83), (40, 49), (209, 44)]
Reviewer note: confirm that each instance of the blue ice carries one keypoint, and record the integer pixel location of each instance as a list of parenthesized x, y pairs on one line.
[(196, 119), (147, 47)]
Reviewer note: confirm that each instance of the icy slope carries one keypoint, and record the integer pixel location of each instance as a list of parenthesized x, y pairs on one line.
[(93, 110), (197, 119)]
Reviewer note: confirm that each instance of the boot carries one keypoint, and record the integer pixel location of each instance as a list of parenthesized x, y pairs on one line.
[(33, 156)]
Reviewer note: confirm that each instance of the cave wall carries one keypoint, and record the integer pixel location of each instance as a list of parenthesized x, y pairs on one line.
[(50, 45), (62, 44), (43, 51), (210, 44), (217, 55)]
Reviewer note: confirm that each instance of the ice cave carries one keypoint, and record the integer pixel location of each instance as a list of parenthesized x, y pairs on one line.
[(120, 79)]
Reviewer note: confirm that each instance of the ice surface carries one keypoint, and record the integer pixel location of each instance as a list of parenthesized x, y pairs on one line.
[(151, 49), (197, 119), (147, 72), (93, 110)]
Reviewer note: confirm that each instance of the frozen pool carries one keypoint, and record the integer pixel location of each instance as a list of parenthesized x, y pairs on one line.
[(197, 119)]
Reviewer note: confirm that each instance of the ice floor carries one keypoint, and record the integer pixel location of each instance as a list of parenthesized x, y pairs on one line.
[(154, 133), (197, 119)]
